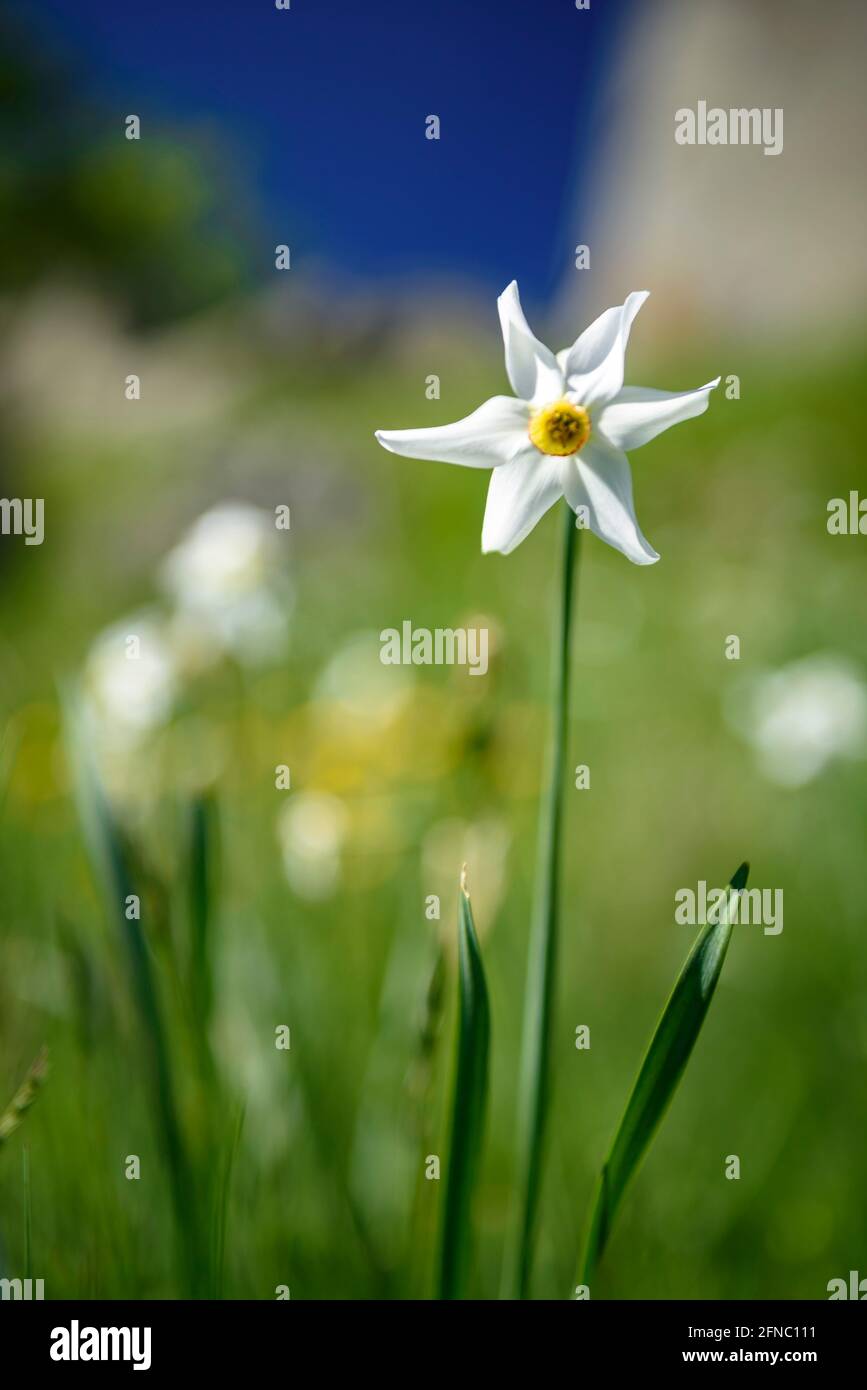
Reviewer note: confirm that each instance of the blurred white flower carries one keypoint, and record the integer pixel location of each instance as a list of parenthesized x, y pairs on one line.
[(802, 716), (225, 580), (129, 678), (252, 628), (223, 555), (312, 829)]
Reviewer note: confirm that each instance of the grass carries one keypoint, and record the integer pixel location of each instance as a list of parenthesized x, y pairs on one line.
[(469, 1100), (12, 1117), (736, 505), (127, 908)]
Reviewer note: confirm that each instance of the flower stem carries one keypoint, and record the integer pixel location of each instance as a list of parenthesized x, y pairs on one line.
[(542, 952)]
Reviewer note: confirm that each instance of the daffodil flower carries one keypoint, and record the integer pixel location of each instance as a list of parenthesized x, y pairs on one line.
[(564, 434)]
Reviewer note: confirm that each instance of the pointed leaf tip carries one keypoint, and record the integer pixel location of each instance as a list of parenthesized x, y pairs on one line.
[(740, 876)]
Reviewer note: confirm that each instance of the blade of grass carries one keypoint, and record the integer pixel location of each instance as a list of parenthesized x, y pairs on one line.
[(221, 1207), (661, 1070), (28, 1213), (307, 1078), (201, 871), (24, 1097), (420, 1084), (109, 852), (534, 1081), (202, 833), (384, 1172), (468, 1104)]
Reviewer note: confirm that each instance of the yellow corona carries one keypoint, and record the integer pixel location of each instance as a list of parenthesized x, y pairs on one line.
[(561, 428)]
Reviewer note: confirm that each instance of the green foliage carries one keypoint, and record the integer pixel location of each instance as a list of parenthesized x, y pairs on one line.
[(667, 1056), (469, 1101), (736, 504)]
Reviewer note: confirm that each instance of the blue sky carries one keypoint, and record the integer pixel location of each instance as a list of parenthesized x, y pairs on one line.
[(324, 106)]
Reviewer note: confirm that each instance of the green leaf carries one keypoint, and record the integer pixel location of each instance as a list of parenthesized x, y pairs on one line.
[(663, 1066), (201, 848), (28, 1213), (468, 1104), (13, 1115), (221, 1206), (113, 861), (202, 854)]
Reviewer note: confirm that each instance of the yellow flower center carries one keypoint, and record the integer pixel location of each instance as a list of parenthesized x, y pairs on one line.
[(561, 428)]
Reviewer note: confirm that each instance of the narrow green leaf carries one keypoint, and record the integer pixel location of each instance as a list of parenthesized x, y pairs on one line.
[(660, 1072), (28, 1213), (13, 1115), (202, 834), (468, 1104), (111, 856), (202, 854), (221, 1207)]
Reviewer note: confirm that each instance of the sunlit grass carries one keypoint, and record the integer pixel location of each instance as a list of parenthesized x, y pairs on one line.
[(738, 516)]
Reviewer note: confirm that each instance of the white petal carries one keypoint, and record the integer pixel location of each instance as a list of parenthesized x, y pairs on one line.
[(594, 363), (492, 435), (519, 495), (600, 480), (638, 414), (531, 367)]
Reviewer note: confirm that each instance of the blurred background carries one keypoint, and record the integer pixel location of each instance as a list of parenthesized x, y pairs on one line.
[(304, 908)]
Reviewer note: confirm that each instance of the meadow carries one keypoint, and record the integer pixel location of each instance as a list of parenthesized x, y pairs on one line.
[(273, 1036)]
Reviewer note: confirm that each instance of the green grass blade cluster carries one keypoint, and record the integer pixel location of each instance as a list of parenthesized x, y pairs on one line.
[(660, 1073), (109, 852), (469, 1100)]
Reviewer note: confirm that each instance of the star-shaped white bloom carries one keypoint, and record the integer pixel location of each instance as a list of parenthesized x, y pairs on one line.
[(565, 434)]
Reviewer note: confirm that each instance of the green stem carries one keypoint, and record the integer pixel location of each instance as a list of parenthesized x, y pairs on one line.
[(28, 1214), (542, 953)]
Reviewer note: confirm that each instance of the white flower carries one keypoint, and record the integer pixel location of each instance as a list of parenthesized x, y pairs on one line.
[(224, 579), (130, 680), (564, 435), (801, 717), (223, 556)]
